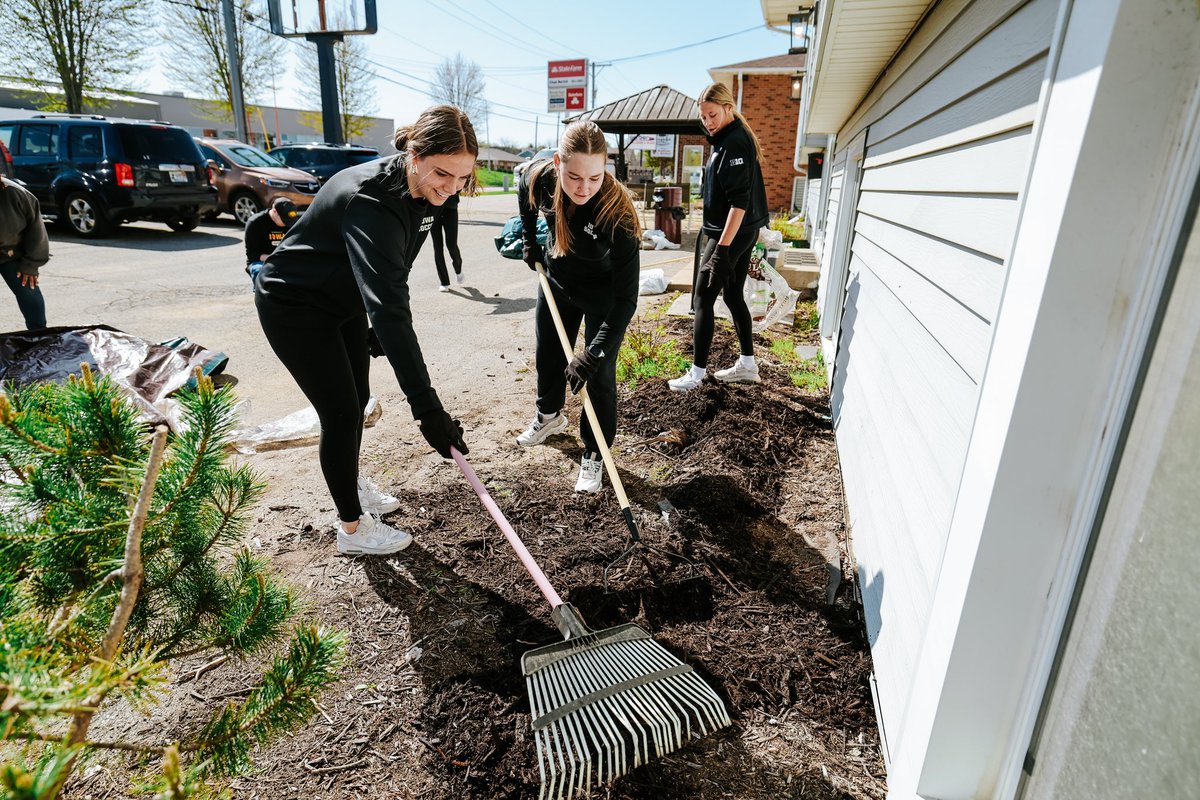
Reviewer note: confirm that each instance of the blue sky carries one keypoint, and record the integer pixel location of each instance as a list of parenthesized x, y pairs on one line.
[(513, 39)]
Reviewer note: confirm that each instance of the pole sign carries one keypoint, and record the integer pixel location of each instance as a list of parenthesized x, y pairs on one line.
[(566, 84)]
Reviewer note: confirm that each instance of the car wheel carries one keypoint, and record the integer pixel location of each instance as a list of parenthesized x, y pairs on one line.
[(183, 224), (84, 217), (245, 206)]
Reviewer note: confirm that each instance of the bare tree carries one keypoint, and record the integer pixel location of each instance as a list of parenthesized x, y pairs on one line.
[(200, 58), (355, 86), (84, 45), (459, 82)]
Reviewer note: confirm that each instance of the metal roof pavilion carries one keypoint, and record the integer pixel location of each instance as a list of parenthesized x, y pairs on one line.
[(657, 110)]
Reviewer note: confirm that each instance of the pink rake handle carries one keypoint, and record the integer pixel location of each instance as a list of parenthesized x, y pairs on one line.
[(527, 561)]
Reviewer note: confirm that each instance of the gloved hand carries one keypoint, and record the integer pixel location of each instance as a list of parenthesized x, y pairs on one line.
[(715, 270), (581, 369), (533, 254), (442, 432), (373, 345)]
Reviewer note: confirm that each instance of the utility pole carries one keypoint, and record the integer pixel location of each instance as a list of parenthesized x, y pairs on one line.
[(594, 65), (235, 72)]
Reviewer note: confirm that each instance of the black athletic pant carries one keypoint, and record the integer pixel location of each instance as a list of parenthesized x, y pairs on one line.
[(448, 222), (735, 299), (551, 362), (328, 358)]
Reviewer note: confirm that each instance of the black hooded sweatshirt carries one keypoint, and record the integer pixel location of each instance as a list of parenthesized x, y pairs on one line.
[(350, 252), (600, 273), (733, 179)]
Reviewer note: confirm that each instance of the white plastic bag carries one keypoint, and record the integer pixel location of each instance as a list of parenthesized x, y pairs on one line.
[(297, 429), (652, 281)]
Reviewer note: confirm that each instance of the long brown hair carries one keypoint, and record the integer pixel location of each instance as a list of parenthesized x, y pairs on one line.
[(719, 93), (615, 208), (440, 130)]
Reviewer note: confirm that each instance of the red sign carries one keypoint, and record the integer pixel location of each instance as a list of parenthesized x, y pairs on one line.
[(576, 98), (566, 73)]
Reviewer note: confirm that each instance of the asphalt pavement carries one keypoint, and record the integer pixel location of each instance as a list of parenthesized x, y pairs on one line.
[(151, 282)]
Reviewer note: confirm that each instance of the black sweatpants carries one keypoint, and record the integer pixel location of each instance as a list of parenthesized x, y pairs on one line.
[(551, 363), (445, 227), (328, 357), (735, 299)]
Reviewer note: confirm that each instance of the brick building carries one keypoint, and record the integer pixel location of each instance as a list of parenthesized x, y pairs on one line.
[(763, 89)]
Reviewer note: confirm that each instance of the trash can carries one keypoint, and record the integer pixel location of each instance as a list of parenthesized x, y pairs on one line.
[(668, 212)]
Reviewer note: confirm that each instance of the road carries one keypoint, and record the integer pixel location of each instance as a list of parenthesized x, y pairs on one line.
[(156, 284)]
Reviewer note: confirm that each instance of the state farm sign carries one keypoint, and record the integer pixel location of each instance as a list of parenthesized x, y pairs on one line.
[(561, 74)]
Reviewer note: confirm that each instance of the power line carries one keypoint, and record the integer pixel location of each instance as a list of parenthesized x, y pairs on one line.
[(682, 46)]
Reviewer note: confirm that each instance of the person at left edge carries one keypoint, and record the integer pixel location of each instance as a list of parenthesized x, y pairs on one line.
[(346, 260), (24, 249), (265, 230)]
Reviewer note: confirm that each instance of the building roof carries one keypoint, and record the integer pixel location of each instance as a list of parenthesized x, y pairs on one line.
[(771, 65), (496, 154), (657, 110)]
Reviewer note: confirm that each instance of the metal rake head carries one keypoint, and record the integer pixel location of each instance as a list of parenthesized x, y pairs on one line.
[(606, 702)]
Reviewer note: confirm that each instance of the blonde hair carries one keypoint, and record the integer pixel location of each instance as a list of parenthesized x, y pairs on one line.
[(440, 130), (719, 93), (615, 208)]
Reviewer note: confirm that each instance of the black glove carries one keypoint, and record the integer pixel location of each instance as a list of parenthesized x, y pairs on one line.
[(533, 254), (715, 270), (581, 369), (373, 345), (442, 432)]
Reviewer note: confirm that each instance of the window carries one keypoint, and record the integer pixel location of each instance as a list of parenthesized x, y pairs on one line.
[(6, 132), (247, 156), (362, 158), (39, 140), (157, 144), (211, 152), (83, 142)]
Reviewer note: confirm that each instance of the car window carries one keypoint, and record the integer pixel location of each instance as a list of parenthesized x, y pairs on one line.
[(83, 142), (294, 158), (246, 156), (362, 158), (211, 152), (323, 158), (6, 132), (157, 144), (39, 140)]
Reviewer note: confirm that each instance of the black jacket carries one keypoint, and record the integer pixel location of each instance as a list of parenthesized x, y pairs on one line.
[(600, 272), (262, 235), (733, 179), (22, 233), (352, 251)]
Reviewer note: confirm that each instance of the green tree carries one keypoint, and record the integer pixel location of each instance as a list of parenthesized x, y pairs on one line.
[(120, 553), (355, 86), (199, 57), (83, 46)]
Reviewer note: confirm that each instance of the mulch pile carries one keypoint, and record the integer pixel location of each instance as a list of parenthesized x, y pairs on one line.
[(742, 481)]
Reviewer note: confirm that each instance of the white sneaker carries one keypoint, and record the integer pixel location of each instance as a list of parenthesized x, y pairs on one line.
[(374, 500), (444, 289), (542, 428), (738, 374), (372, 538), (458, 276), (685, 382), (591, 474)]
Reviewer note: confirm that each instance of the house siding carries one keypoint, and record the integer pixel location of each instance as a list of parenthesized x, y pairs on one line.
[(948, 141)]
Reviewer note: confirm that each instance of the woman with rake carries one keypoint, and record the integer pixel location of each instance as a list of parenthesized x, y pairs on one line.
[(345, 261), (735, 207), (592, 262)]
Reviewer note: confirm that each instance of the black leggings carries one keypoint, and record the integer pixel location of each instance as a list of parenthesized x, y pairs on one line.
[(328, 357), (551, 362), (735, 300), (447, 222)]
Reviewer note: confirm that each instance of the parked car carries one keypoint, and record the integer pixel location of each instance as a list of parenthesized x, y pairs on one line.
[(92, 173), (248, 179), (6, 168), (545, 152), (324, 160)]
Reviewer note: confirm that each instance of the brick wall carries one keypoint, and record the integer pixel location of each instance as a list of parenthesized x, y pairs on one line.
[(772, 115)]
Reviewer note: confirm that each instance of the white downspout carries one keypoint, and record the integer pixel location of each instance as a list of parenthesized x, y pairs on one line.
[(741, 86)]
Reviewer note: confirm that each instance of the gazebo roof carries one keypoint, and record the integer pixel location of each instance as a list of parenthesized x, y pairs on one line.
[(657, 110)]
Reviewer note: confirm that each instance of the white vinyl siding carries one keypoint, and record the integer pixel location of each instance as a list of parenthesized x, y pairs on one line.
[(948, 143)]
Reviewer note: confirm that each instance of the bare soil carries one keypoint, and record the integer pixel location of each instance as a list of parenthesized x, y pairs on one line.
[(432, 703)]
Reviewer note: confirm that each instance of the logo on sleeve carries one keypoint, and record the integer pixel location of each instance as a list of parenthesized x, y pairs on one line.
[(736, 162)]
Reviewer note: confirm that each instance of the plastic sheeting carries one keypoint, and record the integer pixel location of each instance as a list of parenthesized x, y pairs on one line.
[(148, 373)]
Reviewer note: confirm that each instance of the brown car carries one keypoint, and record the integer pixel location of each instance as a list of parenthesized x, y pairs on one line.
[(248, 179)]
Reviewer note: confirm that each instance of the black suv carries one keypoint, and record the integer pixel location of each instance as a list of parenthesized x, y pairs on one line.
[(93, 173), (323, 160)]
